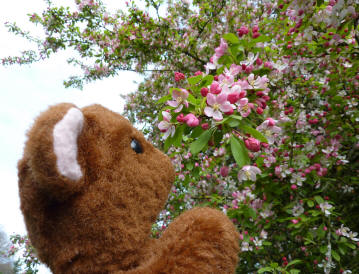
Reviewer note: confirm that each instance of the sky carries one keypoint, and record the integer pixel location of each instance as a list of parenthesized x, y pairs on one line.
[(25, 91)]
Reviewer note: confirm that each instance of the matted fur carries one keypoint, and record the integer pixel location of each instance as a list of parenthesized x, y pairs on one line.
[(101, 223)]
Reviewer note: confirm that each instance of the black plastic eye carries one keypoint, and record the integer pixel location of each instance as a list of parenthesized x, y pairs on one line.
[(136, 146)]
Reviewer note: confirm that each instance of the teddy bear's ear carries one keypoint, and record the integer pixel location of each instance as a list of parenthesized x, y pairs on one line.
[(65, 135)]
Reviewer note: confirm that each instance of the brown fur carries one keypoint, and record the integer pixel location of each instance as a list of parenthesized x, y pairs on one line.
[(102, 223)]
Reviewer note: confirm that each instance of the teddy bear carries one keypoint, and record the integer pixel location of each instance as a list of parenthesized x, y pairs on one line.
[(91, 186)]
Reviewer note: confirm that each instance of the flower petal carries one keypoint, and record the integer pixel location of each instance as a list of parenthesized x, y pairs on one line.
[(208, 111), (179, 108), (211, 99), (217, 115), (226, 107), (163, 125), (172, 103), (243, 101), (221, 98), (166, 116)]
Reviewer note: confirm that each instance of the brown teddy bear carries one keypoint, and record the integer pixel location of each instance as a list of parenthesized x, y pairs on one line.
[(91, 186)]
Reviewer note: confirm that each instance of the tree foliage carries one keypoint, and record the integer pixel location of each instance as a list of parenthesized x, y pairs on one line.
[(258, 105)]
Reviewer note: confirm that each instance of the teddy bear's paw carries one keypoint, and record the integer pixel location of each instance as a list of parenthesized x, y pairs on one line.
[(202, 240)]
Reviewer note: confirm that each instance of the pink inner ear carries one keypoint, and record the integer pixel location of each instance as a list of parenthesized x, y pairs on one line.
[(65, 136)]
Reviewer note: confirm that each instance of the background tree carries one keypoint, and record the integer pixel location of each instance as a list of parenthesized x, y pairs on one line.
[(257, 101), (6, 264)]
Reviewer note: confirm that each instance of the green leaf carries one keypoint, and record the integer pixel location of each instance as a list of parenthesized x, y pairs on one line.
[(194, 79), (233, 122), (261, 38), (189, 166), (163, 99), (294, 262), (319, 199), (196, 132), (255, 133), (239, 152), (206, 81), (201, 142), (177, 138), (352, 246), (168, 143), (264, 269), (232, 38), (335, 255), (294, 271), (191, 99), (310, 203), (323, 249)]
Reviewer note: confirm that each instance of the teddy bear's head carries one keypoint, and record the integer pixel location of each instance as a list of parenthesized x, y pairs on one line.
[(91, 186)]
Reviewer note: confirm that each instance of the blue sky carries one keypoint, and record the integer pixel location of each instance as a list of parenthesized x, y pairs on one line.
[(25, 91)]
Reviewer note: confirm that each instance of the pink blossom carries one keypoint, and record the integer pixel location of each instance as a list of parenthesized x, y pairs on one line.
[(232, 71), (269, 129), (191, 120), (252, 144), (166, 126), (179, 96), (217, 105), (259, 83), (221, 49), (244, 107)]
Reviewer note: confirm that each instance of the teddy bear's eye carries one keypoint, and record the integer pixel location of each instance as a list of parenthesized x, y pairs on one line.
[(136, 146)]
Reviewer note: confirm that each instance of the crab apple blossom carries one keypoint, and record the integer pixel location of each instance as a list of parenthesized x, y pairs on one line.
[(244, 107), (217, 105), (180, 98), (248, 173), (166, 126)]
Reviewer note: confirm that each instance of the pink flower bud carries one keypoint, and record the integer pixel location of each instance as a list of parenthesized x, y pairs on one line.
[(191, 120), (198, 73), (271, 122), (242, 94), (180, 118), (215, 88), (179, 76), (256, 35), (293, 187), (255, 28), (268, 65), (229, 112), (204, 92), (233, 97), (205, 126), (248, 69), (252, 144), (242, 31), (259, 61), (224, 171), (259, 110), (295, 221)]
